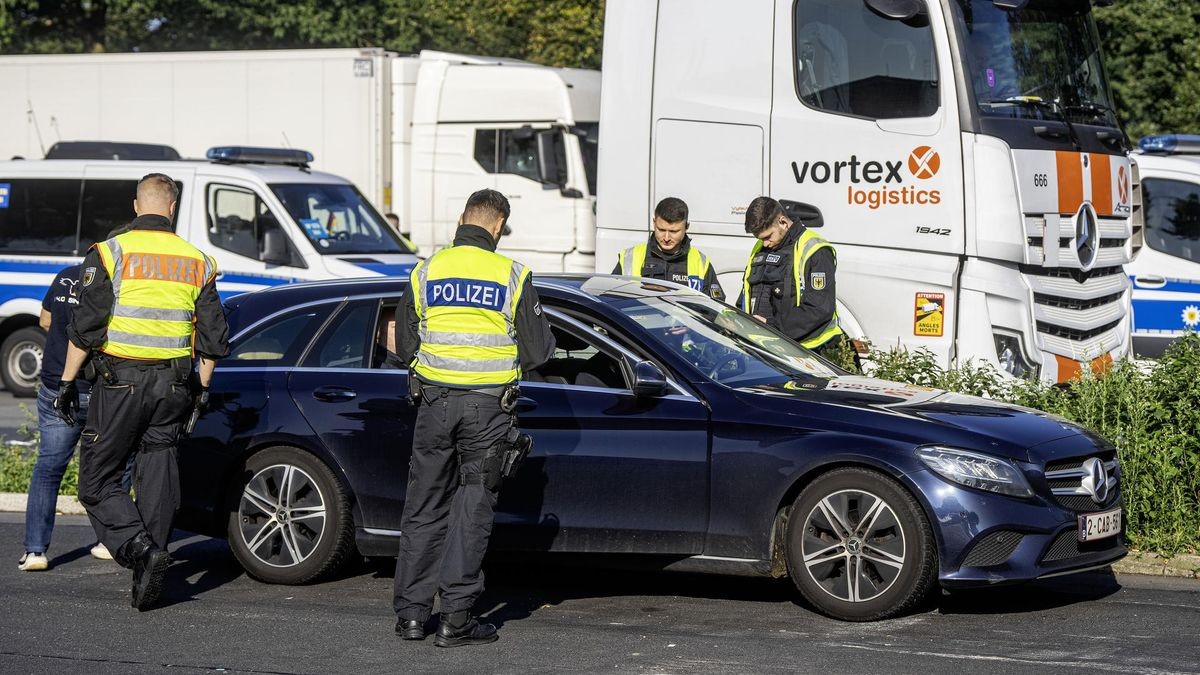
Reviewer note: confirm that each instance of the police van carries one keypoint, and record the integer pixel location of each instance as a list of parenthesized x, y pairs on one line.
[(1166, 274), (259, 212)]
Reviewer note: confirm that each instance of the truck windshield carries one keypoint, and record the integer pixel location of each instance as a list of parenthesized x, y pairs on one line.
[(337, 220), (589, 145), (1038, 62)]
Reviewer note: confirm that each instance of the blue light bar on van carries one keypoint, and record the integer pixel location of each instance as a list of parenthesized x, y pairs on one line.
[(1182, 144), (236, 154)]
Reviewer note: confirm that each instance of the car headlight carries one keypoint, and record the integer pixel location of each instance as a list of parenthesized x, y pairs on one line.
[(974, 470), (1010, 352)]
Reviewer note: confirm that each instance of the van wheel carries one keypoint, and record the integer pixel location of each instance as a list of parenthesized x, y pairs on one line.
[(289, 518), (21, 361), (859, 547)]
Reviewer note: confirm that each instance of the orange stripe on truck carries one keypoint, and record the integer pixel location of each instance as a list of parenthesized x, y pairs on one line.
[(1070, 181), (1102, 198)]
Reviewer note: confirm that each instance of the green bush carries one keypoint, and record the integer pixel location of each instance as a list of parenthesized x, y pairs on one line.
[(1152, 416), (17, 460)]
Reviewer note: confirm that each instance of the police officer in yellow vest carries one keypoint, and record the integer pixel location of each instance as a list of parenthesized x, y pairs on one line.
[(148, 301), (669, 253), (470, 324), (789, 279)]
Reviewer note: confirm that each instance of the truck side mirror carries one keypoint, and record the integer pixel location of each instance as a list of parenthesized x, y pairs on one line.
[(274, 249), (901, 10), (799, 212)]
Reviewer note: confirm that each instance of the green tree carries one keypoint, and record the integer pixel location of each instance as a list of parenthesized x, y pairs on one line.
[(1152, 50)]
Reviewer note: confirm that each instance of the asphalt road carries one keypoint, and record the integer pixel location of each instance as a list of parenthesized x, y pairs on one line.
[(76, 618)]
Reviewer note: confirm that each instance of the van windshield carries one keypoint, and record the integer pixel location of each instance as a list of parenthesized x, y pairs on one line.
[(337, 220)]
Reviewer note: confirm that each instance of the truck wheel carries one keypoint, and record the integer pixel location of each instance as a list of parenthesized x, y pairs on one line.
[(289, 518), (21, 361), (859, 547)]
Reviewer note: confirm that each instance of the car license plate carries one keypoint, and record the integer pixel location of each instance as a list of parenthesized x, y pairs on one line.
[(1099, 525)]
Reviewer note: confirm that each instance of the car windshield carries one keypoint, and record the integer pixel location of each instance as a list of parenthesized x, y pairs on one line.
[(1038, 62), (337, 220), (728, 346), (589, 145)]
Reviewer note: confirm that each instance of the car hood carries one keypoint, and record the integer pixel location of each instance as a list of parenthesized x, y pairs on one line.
[(920, 414)]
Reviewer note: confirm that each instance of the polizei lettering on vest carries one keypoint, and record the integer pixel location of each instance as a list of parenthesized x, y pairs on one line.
[(162, 267), (467, 293)]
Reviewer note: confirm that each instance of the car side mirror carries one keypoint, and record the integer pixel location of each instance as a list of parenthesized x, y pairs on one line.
[(274, 248), (648, 380), (805, 214)]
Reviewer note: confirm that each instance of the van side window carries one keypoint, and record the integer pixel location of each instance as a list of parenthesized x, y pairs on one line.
[(851, 60), (238, 221), (485, 149), (39, 216), (1172, 217)]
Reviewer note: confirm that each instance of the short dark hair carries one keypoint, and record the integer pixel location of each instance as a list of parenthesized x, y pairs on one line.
[(486, 205), (761, 213), (672, 210), (157, 186)]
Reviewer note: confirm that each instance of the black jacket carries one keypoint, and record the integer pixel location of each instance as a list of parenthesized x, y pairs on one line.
[(535, 342), (673, 267), (773, 292), (89, 325)]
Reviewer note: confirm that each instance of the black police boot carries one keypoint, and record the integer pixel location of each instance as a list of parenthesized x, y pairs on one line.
[(460, 629), (149, 569), (410, 629)]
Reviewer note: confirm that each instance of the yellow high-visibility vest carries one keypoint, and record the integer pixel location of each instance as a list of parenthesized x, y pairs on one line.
[(466, 299), (156, 278), (633, 259), (806, 245)]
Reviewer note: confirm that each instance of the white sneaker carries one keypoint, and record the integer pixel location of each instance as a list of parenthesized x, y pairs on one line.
[(33, 562), (100, 552)]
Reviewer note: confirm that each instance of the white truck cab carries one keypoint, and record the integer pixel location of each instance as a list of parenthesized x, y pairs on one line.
[(264, 217), (1166, 273), (963, 154)]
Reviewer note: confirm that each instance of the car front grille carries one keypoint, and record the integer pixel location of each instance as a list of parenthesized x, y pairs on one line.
[(1068, 480)]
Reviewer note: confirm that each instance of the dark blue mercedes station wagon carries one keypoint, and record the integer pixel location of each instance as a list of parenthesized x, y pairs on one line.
[(669, 428)]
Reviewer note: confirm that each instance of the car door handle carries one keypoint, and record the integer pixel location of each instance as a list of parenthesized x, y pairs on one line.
[(334, 394), (1149, 281), (525, 405)]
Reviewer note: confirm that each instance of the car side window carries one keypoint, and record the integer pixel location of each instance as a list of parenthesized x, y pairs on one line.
[(347, 340), (239, 220), (384, 351), (581, 362), (279, 341)]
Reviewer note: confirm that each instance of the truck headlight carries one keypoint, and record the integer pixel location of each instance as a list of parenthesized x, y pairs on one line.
[(1011, 354), (974, 470)]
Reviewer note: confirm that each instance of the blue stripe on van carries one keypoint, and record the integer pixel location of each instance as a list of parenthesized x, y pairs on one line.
[(387, 269)]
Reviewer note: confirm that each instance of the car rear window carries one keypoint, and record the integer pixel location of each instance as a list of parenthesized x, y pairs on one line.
[(279, 341)]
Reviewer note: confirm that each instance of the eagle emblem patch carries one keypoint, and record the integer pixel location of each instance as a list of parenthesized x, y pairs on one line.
[(817, 281)]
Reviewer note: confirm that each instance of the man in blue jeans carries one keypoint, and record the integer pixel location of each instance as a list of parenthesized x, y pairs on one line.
[(57, 438)]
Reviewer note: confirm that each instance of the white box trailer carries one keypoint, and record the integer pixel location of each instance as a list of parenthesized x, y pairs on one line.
[(417, 133)]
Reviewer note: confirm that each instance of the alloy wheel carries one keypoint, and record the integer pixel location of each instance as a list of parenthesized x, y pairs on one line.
[(282, 515), (853, 546)]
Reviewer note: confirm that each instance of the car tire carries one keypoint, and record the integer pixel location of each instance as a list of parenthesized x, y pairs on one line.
[(857, 525), (21, 361), (289, 518)]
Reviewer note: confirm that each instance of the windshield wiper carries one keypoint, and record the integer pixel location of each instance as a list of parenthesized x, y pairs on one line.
[(1100, 110), (1039, 104)]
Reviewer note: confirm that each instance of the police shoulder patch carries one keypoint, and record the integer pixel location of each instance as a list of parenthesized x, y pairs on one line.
[(89, 275), (817, 280)]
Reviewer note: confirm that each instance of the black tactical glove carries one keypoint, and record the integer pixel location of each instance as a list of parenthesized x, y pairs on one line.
[(66, 404)]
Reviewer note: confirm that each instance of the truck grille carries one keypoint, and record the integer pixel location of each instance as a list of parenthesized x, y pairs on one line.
[(1078, 314)]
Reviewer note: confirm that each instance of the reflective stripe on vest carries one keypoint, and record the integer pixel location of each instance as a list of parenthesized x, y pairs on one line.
[(806, 245), (466, 300), (633, 260), (156, 279)]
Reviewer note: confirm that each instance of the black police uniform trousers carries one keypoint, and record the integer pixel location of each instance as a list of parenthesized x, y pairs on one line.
[(447, 518), (143, 411)]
